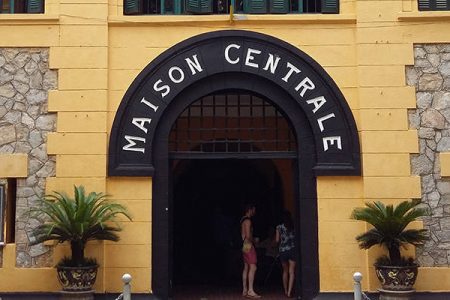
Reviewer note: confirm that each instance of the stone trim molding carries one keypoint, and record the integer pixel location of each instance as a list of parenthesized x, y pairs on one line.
[(430, 76), (25, 79)]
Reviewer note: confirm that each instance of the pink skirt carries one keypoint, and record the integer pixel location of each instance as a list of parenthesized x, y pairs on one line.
[(250, 256)]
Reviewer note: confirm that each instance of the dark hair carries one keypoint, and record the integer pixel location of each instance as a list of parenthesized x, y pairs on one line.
[(248, 206), (287, 220)]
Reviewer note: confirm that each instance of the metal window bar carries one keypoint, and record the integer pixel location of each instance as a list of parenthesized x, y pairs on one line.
[(231, 123)]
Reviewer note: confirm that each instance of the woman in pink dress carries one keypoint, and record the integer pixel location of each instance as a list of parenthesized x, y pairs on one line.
[(248, 253)]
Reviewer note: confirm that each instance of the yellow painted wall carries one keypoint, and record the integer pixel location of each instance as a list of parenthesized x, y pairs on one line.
[(98, 52)]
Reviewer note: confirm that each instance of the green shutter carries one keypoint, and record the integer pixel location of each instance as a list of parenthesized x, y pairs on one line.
[(177, 7), (330, 6), (35, 6), (434, 4), (199, 6), (279, 6), (424, 5), (255, 6), (132, 7)]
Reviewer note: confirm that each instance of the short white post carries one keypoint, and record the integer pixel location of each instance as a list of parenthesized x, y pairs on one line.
[(357, 277), (126, 278)]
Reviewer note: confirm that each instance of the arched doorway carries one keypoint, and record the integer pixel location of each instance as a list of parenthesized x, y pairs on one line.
[(306, 200), (220, 62), (227, 149)]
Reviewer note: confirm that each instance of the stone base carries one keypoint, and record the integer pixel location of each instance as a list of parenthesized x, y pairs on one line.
[(87, 295), (396, 295)]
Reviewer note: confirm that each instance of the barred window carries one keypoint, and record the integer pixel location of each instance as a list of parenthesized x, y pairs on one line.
[(22, 6), (177, 7)]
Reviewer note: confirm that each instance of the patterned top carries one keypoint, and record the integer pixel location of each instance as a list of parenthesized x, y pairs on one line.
[(287, 238)]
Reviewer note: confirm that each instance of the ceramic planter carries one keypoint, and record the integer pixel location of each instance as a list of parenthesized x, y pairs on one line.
[(397, 278), (74, 279)]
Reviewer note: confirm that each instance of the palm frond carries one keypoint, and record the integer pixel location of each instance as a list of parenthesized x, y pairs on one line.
[(77, 220), (389, 225)]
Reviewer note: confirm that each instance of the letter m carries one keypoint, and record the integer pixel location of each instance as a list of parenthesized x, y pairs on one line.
[(132, 142)]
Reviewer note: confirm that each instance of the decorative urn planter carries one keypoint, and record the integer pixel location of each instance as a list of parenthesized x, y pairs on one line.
[(77, 279), (397, 278)]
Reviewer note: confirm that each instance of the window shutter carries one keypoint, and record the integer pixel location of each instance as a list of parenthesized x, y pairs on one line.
[(132, 7), (35, 6), (177, 7), (279, 6), (434, 4), (199, 6), (442, 4), (330, 6), (255, 6)]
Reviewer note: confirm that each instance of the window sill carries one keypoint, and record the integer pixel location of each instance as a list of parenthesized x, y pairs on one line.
[(237, 18), (424, 16), (19, 19)]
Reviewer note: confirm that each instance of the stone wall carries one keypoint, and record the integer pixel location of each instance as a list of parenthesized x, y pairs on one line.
[(25, 79), (431, 77)]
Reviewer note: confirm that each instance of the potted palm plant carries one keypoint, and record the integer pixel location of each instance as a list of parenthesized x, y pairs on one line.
[(395, 272), (76, 220)]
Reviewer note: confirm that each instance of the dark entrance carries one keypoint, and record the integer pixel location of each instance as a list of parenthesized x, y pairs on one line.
[(208, 200), (241, 150)]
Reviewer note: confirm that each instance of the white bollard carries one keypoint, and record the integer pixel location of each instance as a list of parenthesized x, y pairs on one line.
[(357, 277), (126, 278)]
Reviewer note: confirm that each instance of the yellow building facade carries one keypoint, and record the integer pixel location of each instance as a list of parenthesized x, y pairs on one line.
[(368, 49)]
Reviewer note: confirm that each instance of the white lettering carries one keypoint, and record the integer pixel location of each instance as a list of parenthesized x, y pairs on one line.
[(194, 65), (181, 73), (324, 118), (131, 143), (271, 63), (318, 102), (152, 106), (292, 69), (250, 57), (165, 89), (330, 140), (227, 54), (140, 123), (305, 84)]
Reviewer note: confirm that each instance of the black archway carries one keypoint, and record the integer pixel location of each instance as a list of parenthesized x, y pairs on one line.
[(325, 131)]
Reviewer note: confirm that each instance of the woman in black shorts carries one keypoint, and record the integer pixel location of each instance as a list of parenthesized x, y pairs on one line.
[(286, 238)]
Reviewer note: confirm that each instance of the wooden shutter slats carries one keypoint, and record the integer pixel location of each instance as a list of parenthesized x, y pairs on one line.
[(132, 7), (199, 6), (434, 4), (35, 6), (279, 6), (255, 6), (330, 6)]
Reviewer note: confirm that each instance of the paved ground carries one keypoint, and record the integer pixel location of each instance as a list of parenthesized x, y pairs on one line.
[(225, 293)]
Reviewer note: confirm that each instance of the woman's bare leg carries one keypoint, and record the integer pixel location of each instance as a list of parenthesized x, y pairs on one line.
[(285, 266), (251, 279), (291, 277), (244, 279)]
